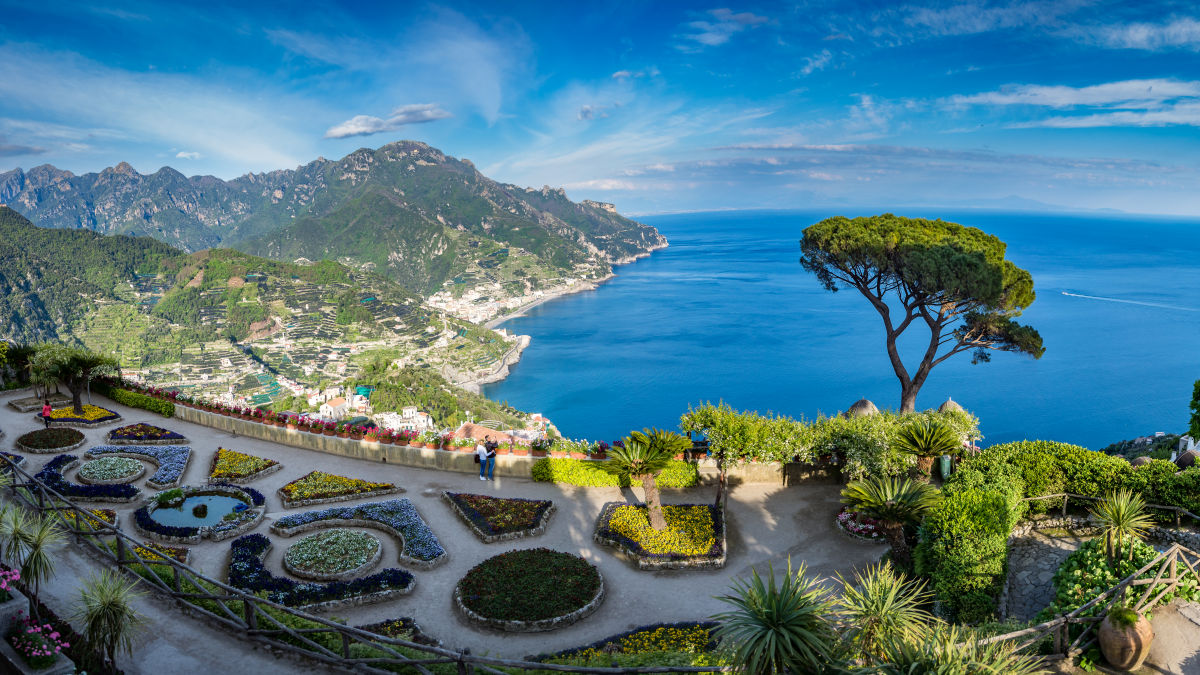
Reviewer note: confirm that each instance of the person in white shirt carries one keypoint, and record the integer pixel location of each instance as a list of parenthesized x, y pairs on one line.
[(481, 458)]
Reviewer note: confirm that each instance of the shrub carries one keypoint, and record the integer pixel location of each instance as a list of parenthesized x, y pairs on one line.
[(529, 585), (50, 439), (584, 473), (134, 399)]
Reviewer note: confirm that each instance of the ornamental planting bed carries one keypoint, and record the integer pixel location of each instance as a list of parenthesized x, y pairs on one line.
[(231, 466), (403, 628), (94, 519), (110, 471), (318, 487), (247, 572), (693, 539), (529, 591), (144, 434), (689, 637), (11, 458), (419, 546), (242, 521), (495, 519), (171, 460), (93, 416), (857, 526), (154, 552), (48, 441), (52, 476), (333, 555)]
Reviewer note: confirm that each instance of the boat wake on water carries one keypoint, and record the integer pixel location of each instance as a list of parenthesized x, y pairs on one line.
[(1132, 302)]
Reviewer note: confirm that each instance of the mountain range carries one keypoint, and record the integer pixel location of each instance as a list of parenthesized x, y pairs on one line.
[(406, 209)]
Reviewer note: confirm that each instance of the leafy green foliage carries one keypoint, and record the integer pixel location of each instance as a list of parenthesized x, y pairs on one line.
[(134, 399), (895, 503), (1123, 516), (953, 650), (588, 473), (429, 391), (645, 453), (881, 606), (1194, 406)]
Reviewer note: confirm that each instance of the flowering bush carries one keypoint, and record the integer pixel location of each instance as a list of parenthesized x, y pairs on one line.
[(541, 444), (143, 432), (7, 579), (172, 460), (233, 465), (332, 551), (500, 515), (692, 530), (246, 571), (420, 542), (692, 637), (859, 525), (39, 645), (51, 475), (529, 585), (109, 469), (91, 413), (318, 485)]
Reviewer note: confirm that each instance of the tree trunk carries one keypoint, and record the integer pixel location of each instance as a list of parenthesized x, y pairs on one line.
[(901, 555), (908, 397), (653, 505), (925, 466), (76, 398)]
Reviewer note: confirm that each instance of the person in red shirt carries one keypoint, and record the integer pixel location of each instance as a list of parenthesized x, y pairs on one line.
[(46, 412)]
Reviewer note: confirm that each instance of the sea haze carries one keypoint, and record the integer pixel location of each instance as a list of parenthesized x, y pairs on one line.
[(727, 313)]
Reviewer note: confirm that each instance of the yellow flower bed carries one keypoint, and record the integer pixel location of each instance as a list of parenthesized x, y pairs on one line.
[(91, 413), (319, 485), (690, 529), (690, 640), (231, 464), (92, 518), (160, 552)]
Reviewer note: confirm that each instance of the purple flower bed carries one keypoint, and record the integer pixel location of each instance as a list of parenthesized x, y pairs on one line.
[(256, 497), (143, 432), (171, 459), (399, 514), (246, 571), (143, 520), (51, 475), (13, 458)]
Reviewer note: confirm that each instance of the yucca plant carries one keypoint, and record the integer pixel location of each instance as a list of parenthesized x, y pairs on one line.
[(14, 529), (947, 650), (894, 503), (778, 626), (107, 615), (882, 605), (645, 455), (37, 565), (927, 439), (1123, 516)]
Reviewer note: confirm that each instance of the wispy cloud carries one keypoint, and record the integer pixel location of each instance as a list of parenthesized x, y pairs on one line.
[(365, 125), (1181, 33), (1183, 114), (721, 25), (973, 17), (1126, 93), (16, 150), (183, 154), (816, 62)]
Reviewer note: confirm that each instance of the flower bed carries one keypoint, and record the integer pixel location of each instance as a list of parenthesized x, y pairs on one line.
[(155, 552), (238, 467), (495, 519), (110, 470), (231, 527), (93, 520), (588, 473), (858, 526), (171, 460), (46, 441), (52, 476), (419, 545), (694, 536), (403, 628), (689, 637), (333, 555), (318, 487), (93, 415), (11, 458), (530, 590), (247, 572), (144, 434), (39, 644)]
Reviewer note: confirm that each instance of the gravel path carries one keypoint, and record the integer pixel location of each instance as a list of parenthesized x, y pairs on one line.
[(1032, 562)]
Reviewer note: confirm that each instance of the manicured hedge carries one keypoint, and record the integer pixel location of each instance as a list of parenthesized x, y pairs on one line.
[(587, 473), (134, 399)]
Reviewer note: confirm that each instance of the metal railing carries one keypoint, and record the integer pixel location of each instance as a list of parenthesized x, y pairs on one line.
[(265, 621)]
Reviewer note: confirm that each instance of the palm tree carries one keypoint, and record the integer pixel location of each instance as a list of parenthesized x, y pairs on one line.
[(107, 614), (1123, 516), (947, 650), (38, 562), (894, 503), (882, 605), (927, 439), (778, 626), (645, 455)]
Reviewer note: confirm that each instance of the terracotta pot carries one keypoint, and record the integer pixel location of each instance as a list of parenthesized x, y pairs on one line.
[(343, 434), (327, 432), (556, 453), (290, 427), (1125, 648), (356, 437), (578, 455), (537, 453), (680, 456), (401, 441), (600, 455), (521, 451)]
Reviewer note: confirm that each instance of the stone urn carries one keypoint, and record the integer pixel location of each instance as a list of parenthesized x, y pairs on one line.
[(1125, 637)]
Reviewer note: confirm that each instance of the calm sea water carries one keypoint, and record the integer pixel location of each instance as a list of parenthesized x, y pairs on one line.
[(727, 313)]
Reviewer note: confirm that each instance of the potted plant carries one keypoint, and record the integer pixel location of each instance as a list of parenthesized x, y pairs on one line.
[(403, 436), (327, 428), (521, 450), (341, 430), (599, 450), (540, 447), (1125, 637)]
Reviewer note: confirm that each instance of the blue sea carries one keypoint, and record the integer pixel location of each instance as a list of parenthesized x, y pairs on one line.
[(727, 313)]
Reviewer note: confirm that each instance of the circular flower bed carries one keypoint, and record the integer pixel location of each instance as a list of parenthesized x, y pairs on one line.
[(109, 470), (530, 590), (333, 555), (50, 440), (859, 526)]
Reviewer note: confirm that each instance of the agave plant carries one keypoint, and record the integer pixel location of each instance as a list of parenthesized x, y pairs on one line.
[(1123, 516), (778, 626), (107, 614), (642, 456), (880, 606), (894, 503), (948, 650), (927, 439)]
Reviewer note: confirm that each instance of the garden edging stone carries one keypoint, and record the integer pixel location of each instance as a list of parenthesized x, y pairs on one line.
[(359, 522), (539, 626), (543, 523)]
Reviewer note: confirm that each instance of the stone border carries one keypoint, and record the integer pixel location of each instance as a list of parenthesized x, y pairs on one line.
[(245, 523), (80, 424), (71, 466), (21, 447), (655, 563), (335, 576), (112, 481), (333, 523), (539, 529), (133, 454), (277, 466), (395, 489), (857, 537), (541, 625), (16, 404)]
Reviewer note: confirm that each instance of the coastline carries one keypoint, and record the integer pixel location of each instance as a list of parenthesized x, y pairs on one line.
[(510, 358)]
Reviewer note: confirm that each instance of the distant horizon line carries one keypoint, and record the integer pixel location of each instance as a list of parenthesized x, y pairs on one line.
[(1050, 209)]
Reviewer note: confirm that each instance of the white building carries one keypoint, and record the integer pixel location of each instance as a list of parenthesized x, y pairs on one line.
[(408, 419), (334, 409)]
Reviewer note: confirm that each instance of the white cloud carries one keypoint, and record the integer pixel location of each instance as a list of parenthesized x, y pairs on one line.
[(603, 184), (365, 125), (182, 154), (816, 62), (972, 17), (1183, 114), (1179, 33), (1127, 93), (590, 112), (725, 23), (622, 74)]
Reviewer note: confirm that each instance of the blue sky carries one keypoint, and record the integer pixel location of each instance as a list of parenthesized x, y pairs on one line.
[(655, 106)]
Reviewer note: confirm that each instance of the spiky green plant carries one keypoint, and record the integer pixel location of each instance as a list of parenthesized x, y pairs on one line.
[(778, 625), (1123, 516), (645, 455), (107, 614), (42, 537), (949, 650), (894, 503), (927, 439), (882, 605), (14, 535)]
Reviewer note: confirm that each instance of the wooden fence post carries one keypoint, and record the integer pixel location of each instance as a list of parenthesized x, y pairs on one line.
[(345, 646), (1064, 511), (465, 668), (120, 549), (175, 578), (248, 613)]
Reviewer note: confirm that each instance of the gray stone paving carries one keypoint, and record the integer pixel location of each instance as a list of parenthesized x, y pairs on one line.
[(1032, 561)]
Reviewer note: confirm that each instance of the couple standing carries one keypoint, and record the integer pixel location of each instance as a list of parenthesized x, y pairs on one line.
[(485, 454)]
